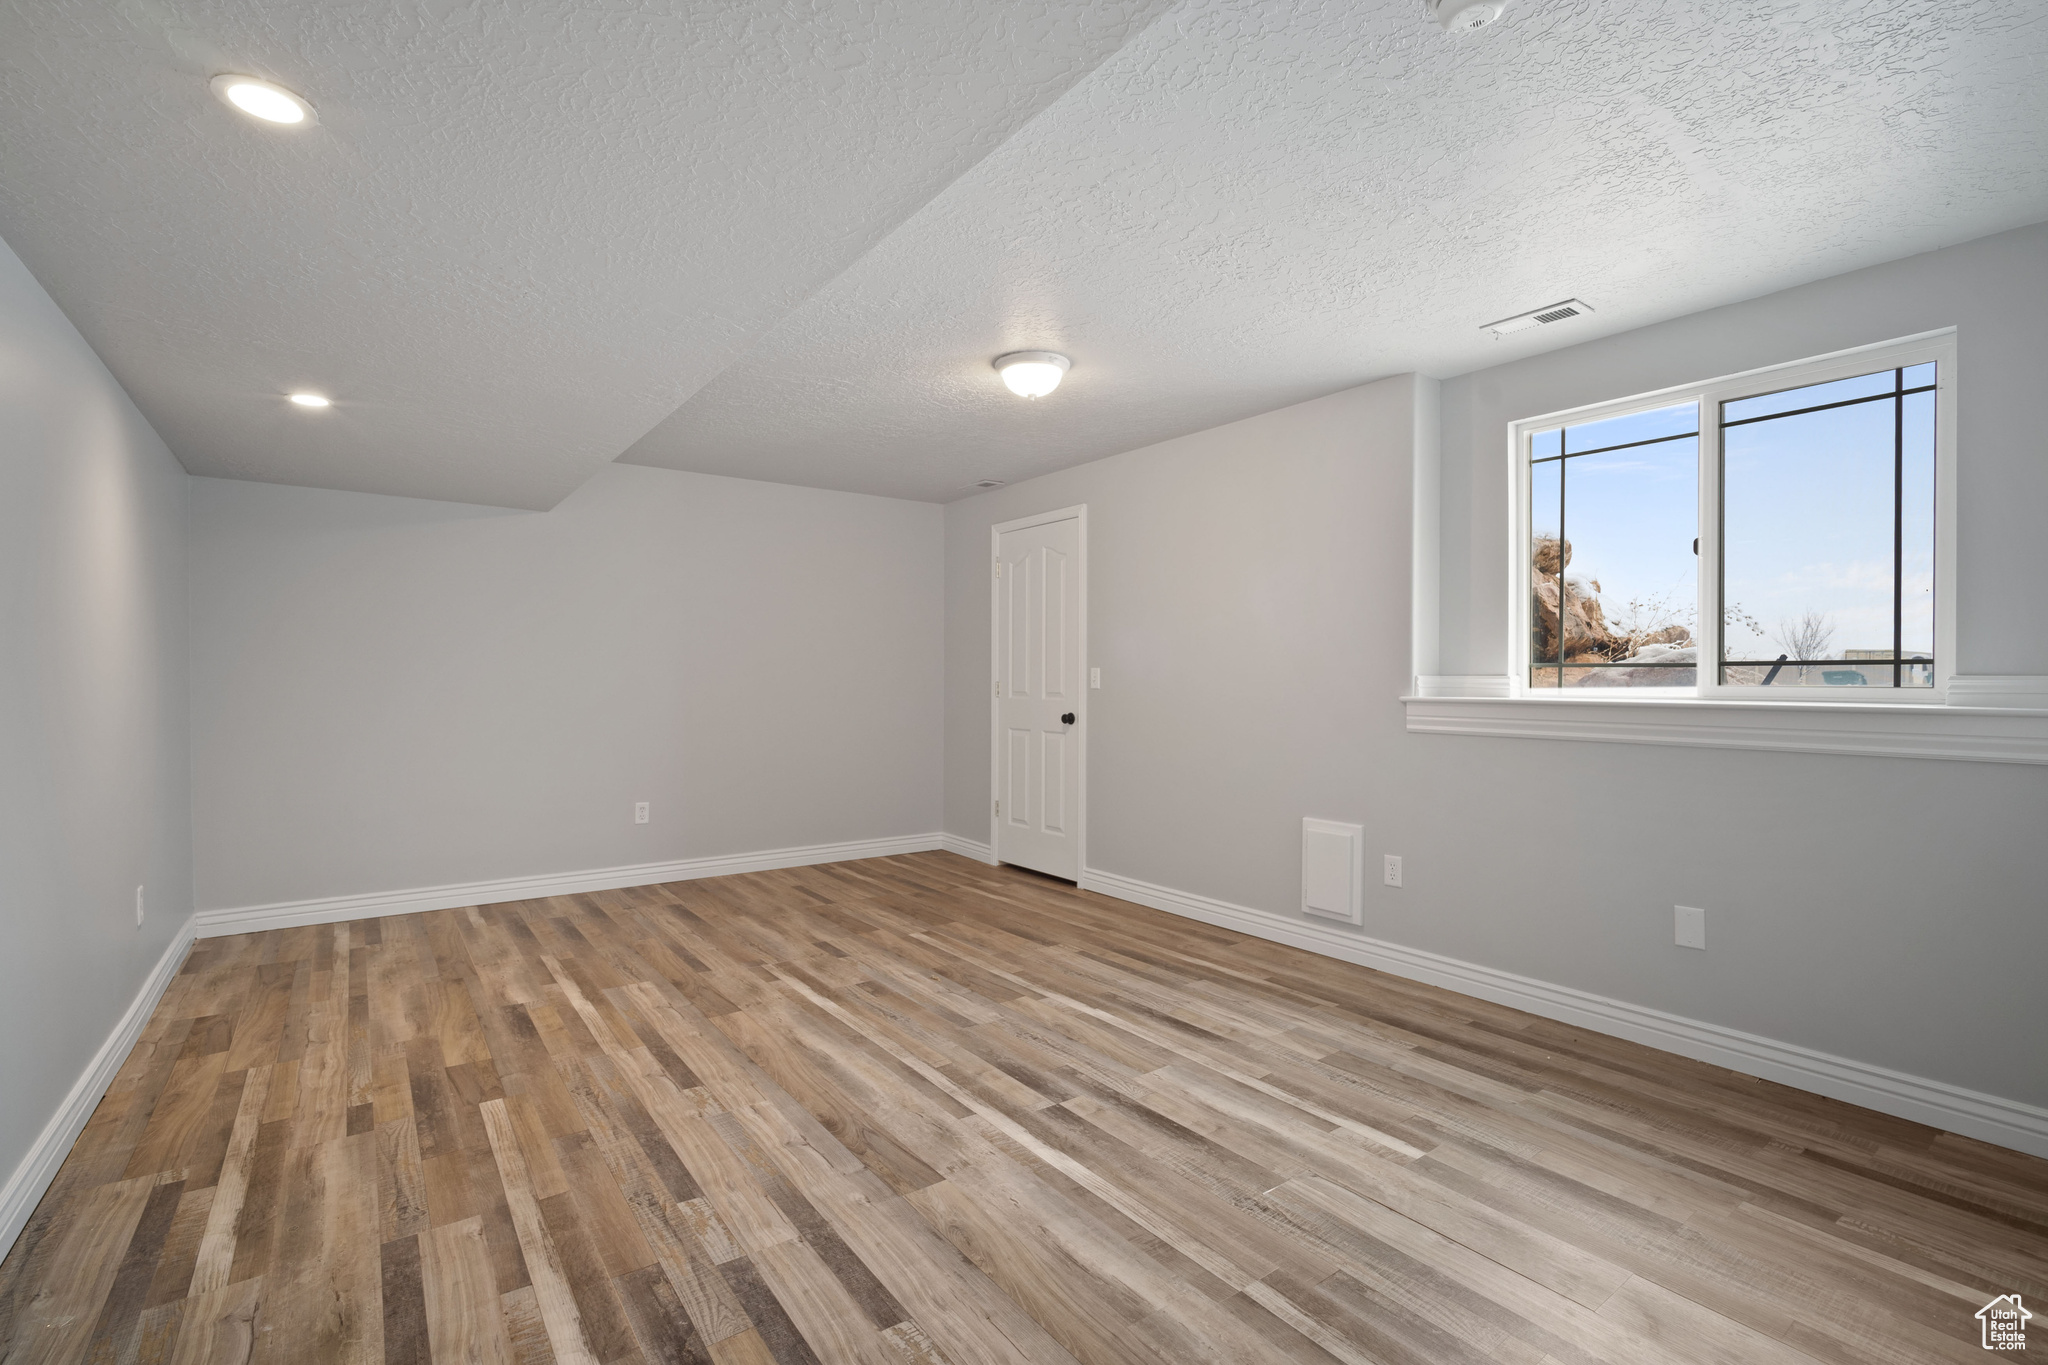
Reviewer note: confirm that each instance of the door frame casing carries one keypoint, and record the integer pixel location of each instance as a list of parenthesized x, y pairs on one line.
[(1078, 513)]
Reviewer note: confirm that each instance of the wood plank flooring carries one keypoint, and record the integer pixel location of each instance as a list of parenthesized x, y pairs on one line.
[(915, 1110)]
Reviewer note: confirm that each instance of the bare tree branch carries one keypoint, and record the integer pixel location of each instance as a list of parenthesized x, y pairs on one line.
[(1806, 638)]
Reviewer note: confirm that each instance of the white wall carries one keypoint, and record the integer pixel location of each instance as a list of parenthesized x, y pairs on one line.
[(1249, 607), (1994, 291), (1248, 592), (391, 694), (93, 775)]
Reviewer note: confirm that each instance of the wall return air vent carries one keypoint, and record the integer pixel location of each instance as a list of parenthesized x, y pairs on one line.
[(1537, 317)]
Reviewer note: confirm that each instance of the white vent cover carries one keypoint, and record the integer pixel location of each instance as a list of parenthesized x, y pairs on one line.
[(1537, 317), (1333, 870)]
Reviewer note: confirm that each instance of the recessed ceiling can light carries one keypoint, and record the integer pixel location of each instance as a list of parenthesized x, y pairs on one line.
[(261, 99), (312, 400), (1032, 374)]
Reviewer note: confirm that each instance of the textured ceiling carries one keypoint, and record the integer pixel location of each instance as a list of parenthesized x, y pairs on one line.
[(1255, 203), (520, 234), (783, 240)]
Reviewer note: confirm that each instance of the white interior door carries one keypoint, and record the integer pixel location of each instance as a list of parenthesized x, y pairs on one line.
[(1038, 696)]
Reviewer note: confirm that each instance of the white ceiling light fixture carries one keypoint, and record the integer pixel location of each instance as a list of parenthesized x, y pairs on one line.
[(261, 99), (312, 400), (1032, 374), (1465, 16)]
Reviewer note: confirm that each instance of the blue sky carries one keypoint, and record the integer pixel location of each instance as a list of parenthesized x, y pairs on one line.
[(1808, 515)]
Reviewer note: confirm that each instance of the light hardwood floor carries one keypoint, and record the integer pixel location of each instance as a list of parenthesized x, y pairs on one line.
[(918, 1110)]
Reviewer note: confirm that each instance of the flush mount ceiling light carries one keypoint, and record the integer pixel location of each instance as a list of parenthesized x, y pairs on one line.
[(312, 400), (1032, 374), (261, 99), (1465, 16)]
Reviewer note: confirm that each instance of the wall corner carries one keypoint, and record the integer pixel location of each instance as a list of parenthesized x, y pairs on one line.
[(1426, 516)]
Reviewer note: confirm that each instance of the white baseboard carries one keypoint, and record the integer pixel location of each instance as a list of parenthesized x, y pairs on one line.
[(38, 1168), (969, 848), (249, 919), (2009, 1123), (25, 1187)]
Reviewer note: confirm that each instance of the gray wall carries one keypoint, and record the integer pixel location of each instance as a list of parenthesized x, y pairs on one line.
[(93, 776), (1994, 291), (1239, 581), (391, 693), (1249, 607)]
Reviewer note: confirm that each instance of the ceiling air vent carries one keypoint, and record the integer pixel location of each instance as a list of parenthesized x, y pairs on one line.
[(1522, 322), (989, 483)]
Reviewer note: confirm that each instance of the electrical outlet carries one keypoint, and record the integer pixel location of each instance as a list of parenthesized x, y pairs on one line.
[(639, 812), (1095, 677), (1391, 870), (138, 907), (1689, 926)]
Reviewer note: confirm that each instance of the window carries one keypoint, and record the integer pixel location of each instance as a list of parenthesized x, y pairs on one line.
[(1773, 531), (1613, 517)]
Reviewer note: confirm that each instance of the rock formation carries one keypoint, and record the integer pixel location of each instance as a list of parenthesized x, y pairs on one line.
[(1570, 603), (1587, 636)]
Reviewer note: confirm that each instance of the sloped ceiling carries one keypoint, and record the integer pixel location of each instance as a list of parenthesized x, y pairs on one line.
[(783, 241), (1253, 204), (519, 235)]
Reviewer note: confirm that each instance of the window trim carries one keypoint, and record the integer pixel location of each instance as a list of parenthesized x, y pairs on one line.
[(1938, 346)]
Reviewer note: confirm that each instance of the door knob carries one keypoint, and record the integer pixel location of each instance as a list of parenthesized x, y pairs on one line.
[(1067, 719)]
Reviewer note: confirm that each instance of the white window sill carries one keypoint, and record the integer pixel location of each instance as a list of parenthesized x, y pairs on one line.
[(1979, 723)]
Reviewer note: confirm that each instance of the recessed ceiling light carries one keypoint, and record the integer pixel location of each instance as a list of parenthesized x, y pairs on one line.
[(261, 99), (312, 400), (1032, 374)]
